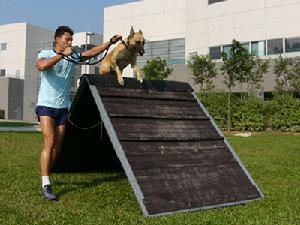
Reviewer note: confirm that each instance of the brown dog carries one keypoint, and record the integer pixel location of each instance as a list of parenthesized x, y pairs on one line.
[(124, 54)]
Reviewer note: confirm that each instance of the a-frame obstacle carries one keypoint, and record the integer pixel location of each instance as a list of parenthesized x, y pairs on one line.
[(174, 155)]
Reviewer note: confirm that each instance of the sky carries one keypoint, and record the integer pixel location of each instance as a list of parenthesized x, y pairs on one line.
[(80, 15)]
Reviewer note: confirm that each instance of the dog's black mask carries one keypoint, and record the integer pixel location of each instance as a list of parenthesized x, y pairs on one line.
[(140, 47)]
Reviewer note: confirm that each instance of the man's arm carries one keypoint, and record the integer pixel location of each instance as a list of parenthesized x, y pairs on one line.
[(101, 48), (43, 63)]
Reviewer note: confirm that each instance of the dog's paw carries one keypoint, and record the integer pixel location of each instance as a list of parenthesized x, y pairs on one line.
[(121, 81)]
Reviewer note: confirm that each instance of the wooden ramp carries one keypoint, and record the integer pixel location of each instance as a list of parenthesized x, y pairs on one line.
[(175, 157)]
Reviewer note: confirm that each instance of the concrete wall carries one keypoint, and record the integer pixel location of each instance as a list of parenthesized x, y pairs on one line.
[(4, 86), (244, 20), (203, 25), (11, 97), (158, 19), (15, 109), (36, 39), (13, 58), (183, 73)]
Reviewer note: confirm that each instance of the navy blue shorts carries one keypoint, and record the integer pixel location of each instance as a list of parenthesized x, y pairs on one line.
[(59, 115)]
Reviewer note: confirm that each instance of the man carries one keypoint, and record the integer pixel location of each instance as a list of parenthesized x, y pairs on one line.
[(53, 99)]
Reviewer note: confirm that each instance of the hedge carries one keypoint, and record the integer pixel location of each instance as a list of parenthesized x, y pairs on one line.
[(253, 113)]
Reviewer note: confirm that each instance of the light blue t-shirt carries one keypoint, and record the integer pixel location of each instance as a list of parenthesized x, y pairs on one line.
[(56, 82)]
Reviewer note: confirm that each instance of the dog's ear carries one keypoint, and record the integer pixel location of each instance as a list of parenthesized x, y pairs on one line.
[(131, 31), (140, 31), (131, 34)]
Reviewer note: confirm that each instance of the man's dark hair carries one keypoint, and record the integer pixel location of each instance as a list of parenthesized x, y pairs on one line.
[(61, 30)]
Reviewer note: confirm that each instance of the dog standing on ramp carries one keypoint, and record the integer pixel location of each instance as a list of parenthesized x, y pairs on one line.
[(124, 54)]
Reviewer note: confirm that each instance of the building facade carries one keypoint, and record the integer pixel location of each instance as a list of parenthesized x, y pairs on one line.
[(265, 27), (19, 47), (11, 100)]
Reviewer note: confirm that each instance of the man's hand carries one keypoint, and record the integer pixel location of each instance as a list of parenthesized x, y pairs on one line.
[(101, 48), (115, 39), (68, 51)]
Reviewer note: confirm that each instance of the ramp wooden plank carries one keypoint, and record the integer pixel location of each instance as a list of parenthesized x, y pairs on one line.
[(110, 81), (152, 129), (148, 94), (175, 154), (148, 148), (194, 187), (148, 108)]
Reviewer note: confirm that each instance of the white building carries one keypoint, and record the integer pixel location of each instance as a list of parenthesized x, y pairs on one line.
[(19, 46), (265, 27)]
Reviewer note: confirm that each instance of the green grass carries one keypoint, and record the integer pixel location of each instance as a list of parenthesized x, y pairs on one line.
[(273, 160)]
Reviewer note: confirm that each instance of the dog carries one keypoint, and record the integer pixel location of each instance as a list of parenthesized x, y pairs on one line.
[(123, 54)]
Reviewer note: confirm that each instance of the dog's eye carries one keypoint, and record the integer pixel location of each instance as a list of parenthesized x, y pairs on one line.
[(138, 42)]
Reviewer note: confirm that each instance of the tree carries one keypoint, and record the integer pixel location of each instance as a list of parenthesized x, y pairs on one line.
[(237, 67), (295, 75), (203, 70), (283, 71), (260, 68), (156, 69)]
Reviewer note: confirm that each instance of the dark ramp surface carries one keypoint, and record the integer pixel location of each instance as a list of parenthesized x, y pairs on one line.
[(174, 156)]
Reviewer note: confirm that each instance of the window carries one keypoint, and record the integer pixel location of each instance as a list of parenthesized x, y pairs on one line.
[(171, 50), (96, 69), (160, 44), (215, 52), (2, 73), (275, 46), (179, 48), (160, 51), (177, 42), (215, 1), (226, 50), (176, 61), (245, 46), (3, 46), (177, 55), (258, 48), (292, 45)]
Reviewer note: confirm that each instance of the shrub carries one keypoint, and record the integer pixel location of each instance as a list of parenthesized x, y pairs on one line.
[(253, 114), (157, 69), (283, 113), (248, 115), (216, 105)]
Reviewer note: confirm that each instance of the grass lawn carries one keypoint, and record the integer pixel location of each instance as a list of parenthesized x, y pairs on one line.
[(272, 159)]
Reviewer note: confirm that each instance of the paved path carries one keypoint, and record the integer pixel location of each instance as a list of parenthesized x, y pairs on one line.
[(21, 129)]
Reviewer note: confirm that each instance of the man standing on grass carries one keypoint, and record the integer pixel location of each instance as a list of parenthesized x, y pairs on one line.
[(53, 99)]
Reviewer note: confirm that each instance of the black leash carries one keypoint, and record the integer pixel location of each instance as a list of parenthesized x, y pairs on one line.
[(82, 60)]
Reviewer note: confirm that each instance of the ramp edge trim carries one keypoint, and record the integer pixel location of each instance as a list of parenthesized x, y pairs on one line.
[(204, 207), (228, 145), (118, 148)]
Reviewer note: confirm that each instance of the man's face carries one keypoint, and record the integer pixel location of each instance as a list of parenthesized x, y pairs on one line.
[(64, 40)]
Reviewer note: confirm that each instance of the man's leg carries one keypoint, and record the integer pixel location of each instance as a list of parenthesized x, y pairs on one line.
[(48, 131), (59, 136)]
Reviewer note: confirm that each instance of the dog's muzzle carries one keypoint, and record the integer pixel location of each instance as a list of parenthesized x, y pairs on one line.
[(141, 52)]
